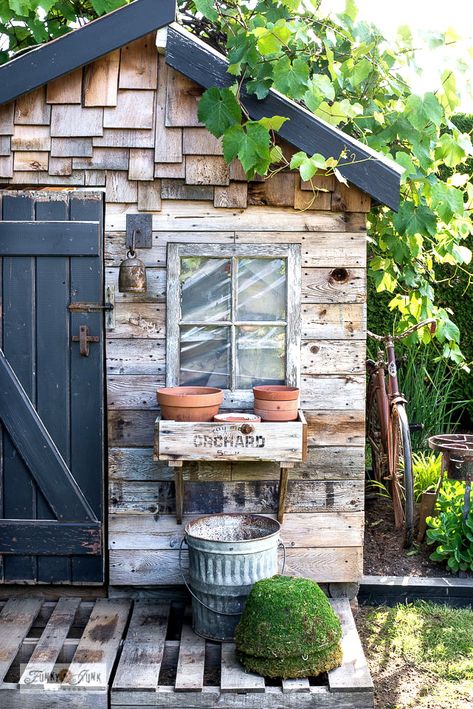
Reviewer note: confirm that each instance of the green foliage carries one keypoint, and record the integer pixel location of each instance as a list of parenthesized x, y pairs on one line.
[(288, 629), (452, 534), (426, 471)]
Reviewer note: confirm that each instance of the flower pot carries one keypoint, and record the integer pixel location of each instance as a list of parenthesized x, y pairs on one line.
[(189, 403), (237, 418), (276, 392), (268, 415), (267, 405)]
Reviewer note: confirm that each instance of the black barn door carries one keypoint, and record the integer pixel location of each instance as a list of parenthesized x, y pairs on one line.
[(51, 394)]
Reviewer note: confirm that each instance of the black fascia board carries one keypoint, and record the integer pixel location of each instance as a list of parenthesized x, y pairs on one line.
[(370, 171), (82, 46)]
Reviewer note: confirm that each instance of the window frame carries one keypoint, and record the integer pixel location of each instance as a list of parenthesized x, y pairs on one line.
[(290, 252)]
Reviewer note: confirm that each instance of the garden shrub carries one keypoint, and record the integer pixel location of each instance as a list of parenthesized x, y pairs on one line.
[(449, 531), (288, 629)]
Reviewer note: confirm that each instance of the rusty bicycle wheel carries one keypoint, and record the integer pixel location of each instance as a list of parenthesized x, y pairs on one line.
[(400, 473)]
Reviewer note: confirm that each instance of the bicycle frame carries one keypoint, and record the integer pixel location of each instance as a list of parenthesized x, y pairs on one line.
[(386, 396)]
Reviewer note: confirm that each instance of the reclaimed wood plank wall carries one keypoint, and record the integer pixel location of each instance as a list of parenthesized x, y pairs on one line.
[(128, 124)]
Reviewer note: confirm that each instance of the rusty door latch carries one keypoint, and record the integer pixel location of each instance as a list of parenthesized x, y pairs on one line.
[(84, 339)]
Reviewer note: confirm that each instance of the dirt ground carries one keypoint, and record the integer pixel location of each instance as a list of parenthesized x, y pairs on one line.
[(383, 552)]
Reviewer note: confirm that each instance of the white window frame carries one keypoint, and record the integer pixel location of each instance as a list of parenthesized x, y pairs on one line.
[(290, 252)]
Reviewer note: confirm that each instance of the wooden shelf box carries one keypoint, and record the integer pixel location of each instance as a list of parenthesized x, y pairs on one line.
[(179, 441)]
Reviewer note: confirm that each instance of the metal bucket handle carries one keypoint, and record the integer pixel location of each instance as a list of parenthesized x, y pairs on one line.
[(213, 610)]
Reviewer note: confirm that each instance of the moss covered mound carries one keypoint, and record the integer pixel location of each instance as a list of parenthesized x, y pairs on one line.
[(288, 629)]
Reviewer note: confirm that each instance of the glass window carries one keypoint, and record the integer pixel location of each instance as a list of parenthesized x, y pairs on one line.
[(228, 314)]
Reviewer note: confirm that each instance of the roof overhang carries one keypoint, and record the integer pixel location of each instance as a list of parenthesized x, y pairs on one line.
[(82, 46), (372, 172)]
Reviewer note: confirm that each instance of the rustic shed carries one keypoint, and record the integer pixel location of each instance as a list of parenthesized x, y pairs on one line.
[(98, 129)]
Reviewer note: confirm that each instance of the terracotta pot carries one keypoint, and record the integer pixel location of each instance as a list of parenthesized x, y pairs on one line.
[(267, 415), (276, 392), (237, 418), (267, 405), (189, 403)]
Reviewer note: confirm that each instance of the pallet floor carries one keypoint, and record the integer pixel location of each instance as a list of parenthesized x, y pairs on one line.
[(124, 654)]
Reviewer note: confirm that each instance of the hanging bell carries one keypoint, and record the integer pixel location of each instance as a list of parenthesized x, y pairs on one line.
[(132, 276)]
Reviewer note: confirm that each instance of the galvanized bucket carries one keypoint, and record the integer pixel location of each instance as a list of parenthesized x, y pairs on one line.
[(228, 553)]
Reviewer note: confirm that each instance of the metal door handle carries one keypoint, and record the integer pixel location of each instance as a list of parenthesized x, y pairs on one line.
[(84, 339)]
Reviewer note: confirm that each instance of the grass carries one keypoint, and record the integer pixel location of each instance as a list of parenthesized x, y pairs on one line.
[(420, 655)]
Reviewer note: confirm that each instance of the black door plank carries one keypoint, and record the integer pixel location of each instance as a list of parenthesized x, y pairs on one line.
[(19, 343), (38, 451), (53, 386), (46, 537), (87, 386), (53, 238)]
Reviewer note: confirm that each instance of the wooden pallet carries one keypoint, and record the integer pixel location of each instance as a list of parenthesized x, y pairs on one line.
[(59, 654), (165, 665)]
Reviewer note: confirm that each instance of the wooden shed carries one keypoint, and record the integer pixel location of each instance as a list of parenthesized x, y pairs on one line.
[(99, 137)]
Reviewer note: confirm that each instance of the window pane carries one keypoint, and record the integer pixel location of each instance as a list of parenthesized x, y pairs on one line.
[(205, 289), (261, 356), (205, 356), (261, 291)]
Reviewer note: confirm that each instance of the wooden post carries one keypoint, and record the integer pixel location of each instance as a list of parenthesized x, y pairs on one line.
[(179, 482), (282, 493)]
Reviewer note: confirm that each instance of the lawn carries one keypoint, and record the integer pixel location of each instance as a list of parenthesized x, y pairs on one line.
[(420, 655)]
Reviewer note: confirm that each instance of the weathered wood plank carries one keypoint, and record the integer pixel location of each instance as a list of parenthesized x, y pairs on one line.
[(31, 162), (334, 285), (101, 81), (99, 644), (123, 138), (31, 138), (232, 197), (259, 497), (233, 677), (141, 165), (198, 141), (5, 145), (73, 121), (136, 357), (333, 321), (155, 292), (133, 429), (32, 109), (45, 655), (175, 171), (314, 200), (299, 530), (138, 320), (143, 649), (276, 191), (60, 166), (6, 118), (120, 188), (125, 115), (354, 674), (333, 356), (103, 159), (71, 147), (350, 199), (336, 428), (66, 89), (168, 142), (6, 166), (261, 225), (206, 170), (16, 619), (191, 661), (139, 64), (337, 392), (142, 567), (182, 97), (178, 189), (149, 197), (295, 685)]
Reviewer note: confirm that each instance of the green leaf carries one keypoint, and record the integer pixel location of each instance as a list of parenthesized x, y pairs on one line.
[(219, 110), (405, 161), (449, 150), (273, 123), (250, 143), (21, 7), (412, 220), (291, 77), (447, 201), (207, 8), (421, 111), (271, 39), (320, 88)]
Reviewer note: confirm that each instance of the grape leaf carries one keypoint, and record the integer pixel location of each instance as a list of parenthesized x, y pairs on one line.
[(291, 77), (219, 110)]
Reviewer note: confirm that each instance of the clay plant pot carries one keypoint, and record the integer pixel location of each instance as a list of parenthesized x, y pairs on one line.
[(276, 392), (276, 405), (237, 418), (189, 403), (270, 415)]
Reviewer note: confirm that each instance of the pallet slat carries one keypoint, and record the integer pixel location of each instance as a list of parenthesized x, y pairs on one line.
[(353, 675), (143, 649), (46, 652), (234, 678), (16, 619), (191, 662)]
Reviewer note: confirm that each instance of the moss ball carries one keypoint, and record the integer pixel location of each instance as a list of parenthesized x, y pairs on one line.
[(288, 629)]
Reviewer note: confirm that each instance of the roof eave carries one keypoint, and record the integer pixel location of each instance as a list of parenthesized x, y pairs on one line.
[(370, 171), (82, 46)]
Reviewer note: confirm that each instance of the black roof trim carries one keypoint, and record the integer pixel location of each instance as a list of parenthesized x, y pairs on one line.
[(63, 55), (372, 172)]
